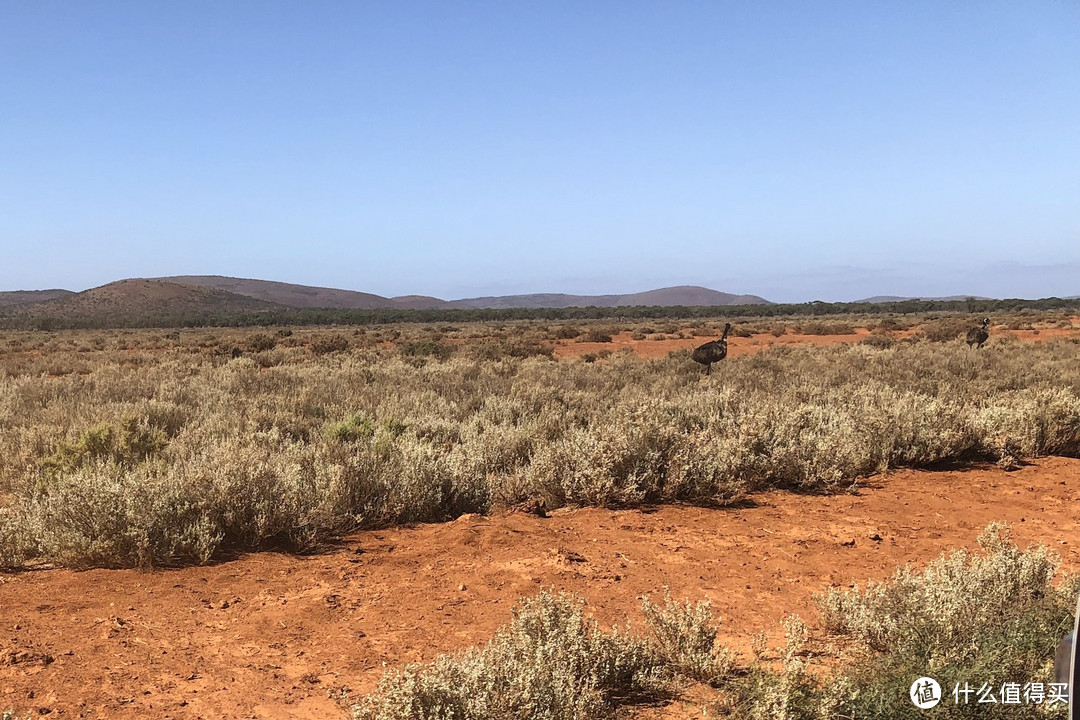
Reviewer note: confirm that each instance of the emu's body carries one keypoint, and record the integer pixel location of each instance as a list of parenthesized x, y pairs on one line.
[(711, 352), (977, 336)]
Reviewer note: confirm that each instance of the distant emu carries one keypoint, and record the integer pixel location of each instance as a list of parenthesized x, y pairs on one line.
[(711, 352), (977, 336)]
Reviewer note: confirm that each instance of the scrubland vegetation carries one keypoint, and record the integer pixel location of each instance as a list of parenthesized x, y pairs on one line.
[(148, 448), (143, 448), (989, 617)]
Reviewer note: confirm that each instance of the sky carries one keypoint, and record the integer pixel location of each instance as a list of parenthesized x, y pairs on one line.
[(798, 151)]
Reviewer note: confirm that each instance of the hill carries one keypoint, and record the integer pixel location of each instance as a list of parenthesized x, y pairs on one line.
[(901, 298), (25, 297), (682, 295), (127, 300), (305, 296)]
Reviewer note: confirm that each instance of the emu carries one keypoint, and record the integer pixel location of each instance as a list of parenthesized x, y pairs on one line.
[(977, 336), (711, 352)]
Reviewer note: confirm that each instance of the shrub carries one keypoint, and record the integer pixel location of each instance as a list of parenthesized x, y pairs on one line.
[(135, 440), (888, 323), (330, 344), (934, 613), (685, 636), (13, 539), (291, 454), (548, 663), (426, 348), (827, 328), (495, 350), (946, 329), (595, 336), (357, 427), (261, 342), (875, 340), (991, 617)]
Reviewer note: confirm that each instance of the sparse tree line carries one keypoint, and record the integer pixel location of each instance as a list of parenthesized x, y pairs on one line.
[(330, 316)]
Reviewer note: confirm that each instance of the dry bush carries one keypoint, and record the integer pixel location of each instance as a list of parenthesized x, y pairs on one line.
[(946, 329), (242, 453), (878, 340), (567, 332), (324, 345), (889, 324), (497, 349), (933, 613), (825, 328), (548, 663), (596, 335), (684, 635), (426, 348), (261, 342), (989, 617)]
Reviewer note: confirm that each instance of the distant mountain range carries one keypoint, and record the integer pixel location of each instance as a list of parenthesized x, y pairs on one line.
[(687, 295), (185, 298), (25, 297), (191, 295), (304, 296), (900, 298), (136, 298)]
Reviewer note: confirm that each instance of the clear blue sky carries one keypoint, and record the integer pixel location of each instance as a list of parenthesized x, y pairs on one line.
[(796, 150)]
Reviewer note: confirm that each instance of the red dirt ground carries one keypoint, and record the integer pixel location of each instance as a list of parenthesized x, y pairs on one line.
[(267, 635)]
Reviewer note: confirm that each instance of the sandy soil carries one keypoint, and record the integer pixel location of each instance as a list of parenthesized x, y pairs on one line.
[(267, 635)]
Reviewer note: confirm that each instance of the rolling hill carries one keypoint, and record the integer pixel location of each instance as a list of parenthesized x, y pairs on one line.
[(901, 298), (126, 300), (305, 296), (11, 298), (686, 295), (202, 298)]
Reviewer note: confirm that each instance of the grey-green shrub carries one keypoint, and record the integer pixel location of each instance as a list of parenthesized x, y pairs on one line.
[(989, 617), (548, 663), (684, 634), (933, 614), (294, 454)]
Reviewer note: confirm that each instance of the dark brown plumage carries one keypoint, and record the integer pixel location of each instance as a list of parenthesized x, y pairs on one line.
[(711, 352), (977, 336)]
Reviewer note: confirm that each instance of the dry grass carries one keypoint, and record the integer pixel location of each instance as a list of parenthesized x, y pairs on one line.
[(140, 448), (552, 663)]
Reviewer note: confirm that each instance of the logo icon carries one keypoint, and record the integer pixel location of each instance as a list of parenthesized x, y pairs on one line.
[(925, 693)]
